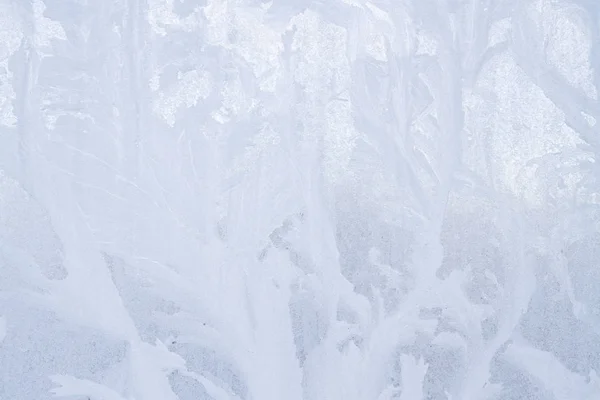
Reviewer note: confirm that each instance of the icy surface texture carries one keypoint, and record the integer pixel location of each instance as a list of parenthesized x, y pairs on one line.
[(299, 200)]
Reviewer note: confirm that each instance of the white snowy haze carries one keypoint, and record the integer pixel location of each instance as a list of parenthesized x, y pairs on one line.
[(299, 199)]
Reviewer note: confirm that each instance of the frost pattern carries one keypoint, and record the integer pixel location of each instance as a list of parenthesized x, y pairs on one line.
[(300, 200)]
